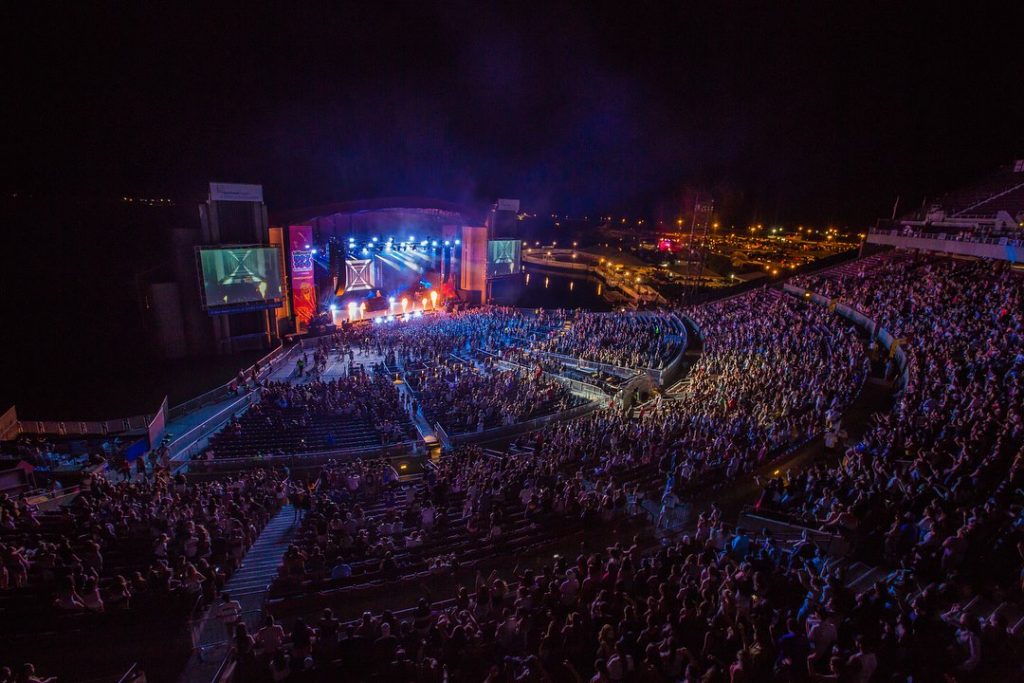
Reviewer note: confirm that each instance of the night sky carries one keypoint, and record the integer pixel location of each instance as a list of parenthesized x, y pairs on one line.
[(787, 111), (793, 112)]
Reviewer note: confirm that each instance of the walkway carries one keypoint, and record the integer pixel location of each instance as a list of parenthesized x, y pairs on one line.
[(249, 585)]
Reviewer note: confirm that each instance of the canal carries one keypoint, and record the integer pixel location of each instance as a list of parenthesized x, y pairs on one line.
[(544, 289)]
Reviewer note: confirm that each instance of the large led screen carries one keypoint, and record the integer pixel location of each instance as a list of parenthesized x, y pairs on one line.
[(240, 278), (503, 257)]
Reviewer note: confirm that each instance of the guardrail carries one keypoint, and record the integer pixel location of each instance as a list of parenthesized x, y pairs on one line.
[(268, 364), (442, 435), (893, 346), (586, 389), (1000, 240), (617, 370), (297, 460), (999, 248), (777, 522), (183, 447), (506, 431), (668, 373)]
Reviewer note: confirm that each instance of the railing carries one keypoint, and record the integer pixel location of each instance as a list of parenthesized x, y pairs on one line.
[(776, 521), (269, 363), (857, 318), (606, 368), (585, 389), (442, 435), (298, 460), (134, 673), (133, 423), (506, 431), (940, 234), (185, 446), (668, 373), (1000, 248)]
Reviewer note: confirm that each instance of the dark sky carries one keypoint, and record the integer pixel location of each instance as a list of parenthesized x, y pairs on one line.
[(798, 112), (794, 111)]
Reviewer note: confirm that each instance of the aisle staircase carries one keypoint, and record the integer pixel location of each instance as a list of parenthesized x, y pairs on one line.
[(249, 587)]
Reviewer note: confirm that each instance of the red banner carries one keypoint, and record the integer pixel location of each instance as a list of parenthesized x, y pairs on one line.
[(300, 255)]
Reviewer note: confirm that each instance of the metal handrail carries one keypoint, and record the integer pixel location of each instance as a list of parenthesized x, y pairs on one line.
[(267, 364)]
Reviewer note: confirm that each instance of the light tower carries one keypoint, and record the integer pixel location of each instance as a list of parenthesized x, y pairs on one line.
[(697, 256)]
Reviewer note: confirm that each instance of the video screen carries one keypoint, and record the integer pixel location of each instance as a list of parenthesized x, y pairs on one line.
[(504, 257), (241, 278)]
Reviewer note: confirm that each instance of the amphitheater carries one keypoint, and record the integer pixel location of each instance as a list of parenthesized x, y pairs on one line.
[(816, 479)]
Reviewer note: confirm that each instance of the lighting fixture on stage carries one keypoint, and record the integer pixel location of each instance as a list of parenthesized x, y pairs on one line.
[(353, 311), (434, 243), (313, 251), (405, 303), (447, 243), (458, 242), (333, 308)]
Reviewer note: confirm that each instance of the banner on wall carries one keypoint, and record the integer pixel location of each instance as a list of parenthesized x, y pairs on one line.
[(300, 254)]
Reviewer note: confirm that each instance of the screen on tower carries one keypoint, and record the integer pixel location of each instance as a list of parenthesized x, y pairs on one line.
[(240, 278), (504, 257)]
